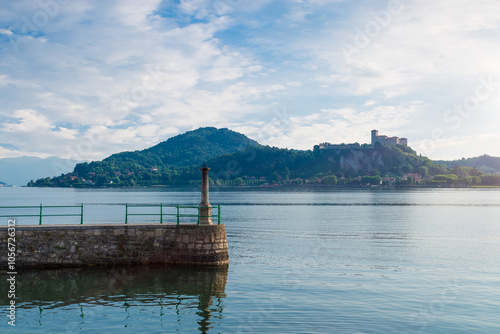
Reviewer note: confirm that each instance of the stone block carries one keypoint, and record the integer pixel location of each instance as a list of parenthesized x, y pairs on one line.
[(118, 232)]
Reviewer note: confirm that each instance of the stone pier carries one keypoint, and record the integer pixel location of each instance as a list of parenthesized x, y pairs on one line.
[(43, 246)]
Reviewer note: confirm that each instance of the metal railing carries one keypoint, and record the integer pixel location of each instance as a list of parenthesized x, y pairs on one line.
[(178, 213), (41, 214), (163, 212)]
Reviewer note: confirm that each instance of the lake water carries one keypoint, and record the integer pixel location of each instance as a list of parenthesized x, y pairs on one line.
[(372, 261)]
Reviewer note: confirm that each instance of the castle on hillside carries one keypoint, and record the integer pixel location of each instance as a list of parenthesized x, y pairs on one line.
[(387, 140), (375, 138)]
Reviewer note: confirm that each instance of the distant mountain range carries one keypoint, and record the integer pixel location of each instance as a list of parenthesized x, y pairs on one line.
[(19, 171), (485, 163), (232, 155)]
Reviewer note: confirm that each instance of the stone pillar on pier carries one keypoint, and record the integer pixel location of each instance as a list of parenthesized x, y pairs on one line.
[(205, 207)]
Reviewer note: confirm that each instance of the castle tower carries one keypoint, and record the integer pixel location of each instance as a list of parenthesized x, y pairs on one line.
[(374, 136)]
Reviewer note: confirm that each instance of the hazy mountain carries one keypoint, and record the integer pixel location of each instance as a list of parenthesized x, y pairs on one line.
[(485, 163), (19, 171)]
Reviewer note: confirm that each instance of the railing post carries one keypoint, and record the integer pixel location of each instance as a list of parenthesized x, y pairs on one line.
[(40, 223), (218, 214), (81, 215), (199, 214), (126, 213), (161, 213), (177, 215)]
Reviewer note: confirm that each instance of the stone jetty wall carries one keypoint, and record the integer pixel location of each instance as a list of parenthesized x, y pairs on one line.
[(46, 246)]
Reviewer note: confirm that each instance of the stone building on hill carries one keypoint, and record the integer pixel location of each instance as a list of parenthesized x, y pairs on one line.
[(375, 138), (387, 140)]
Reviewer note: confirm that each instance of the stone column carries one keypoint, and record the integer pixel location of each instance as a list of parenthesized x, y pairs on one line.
[(205, 207)]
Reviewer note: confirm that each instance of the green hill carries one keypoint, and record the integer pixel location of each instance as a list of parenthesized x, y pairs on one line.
[(190, 148), (233, 157), (167, 162)]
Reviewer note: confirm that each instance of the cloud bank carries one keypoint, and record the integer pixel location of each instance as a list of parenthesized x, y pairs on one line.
[(86, 79)]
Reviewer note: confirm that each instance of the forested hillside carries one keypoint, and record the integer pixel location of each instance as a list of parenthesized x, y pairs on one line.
[(168, 162), (278, 164), (236, 159)]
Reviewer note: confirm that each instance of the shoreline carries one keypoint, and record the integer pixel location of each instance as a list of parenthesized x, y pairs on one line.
[(279, 187)]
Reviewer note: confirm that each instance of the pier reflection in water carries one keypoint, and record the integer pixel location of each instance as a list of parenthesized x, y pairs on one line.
[(149, 299)]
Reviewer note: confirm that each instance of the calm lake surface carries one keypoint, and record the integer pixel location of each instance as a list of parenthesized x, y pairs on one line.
[(372, 261)]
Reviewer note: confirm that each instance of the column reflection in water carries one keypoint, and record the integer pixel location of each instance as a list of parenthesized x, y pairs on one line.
[(151, 298)]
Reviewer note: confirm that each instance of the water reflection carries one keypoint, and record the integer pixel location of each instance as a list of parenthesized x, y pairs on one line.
[(176, 296)]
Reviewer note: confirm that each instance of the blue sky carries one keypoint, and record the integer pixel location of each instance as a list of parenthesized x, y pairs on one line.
[(85, 79)]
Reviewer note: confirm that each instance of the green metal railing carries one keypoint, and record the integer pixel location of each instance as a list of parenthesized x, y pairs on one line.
[(177, 212), (40, 215)]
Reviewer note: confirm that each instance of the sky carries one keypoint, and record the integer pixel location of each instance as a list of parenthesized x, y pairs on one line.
[(85, 79)]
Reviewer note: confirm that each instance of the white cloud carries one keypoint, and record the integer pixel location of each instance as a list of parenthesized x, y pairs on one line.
[(118, 65), (27, 121), (457, 147), (5, 32), (122, 70), (332, 125), (206, 8), (136, 13)]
